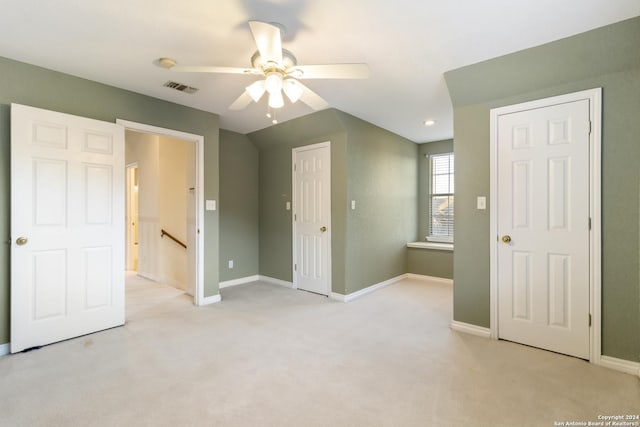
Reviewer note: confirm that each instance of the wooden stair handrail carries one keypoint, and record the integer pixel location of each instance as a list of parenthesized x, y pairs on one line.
[(164, 232)]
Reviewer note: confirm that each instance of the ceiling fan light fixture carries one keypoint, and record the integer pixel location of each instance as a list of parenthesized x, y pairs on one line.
[(273, 82), (278, 69), (276, 100), (256, 90), (292, 89)]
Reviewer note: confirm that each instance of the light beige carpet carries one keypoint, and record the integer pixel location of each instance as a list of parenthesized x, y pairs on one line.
[(271, 356)]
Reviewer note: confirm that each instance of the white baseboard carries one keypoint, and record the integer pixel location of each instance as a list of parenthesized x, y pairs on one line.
[(433, 279), (211, 300), (336, 296), (148, 276), (621, 365), (240, 281), (5, 349), (367, 290), (174, 284), (276, 281), (467, 328)]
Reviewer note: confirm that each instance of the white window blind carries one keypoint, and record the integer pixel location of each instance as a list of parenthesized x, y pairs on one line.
[(441, 198)]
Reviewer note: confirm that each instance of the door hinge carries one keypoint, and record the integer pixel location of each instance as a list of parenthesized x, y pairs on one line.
[(589, 320), (295, 217), (295, 167), (295, 267), (590, 127), (589, 223)]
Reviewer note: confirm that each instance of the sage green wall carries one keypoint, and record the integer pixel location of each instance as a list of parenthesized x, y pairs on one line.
[(428, 262), (239, 232), (609, 58), (370, 165), (275, 144), (25, 84), (382, 177), (471, 254)]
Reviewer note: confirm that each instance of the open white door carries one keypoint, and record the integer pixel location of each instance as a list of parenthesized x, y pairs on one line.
[(312, 218), (67, 226)]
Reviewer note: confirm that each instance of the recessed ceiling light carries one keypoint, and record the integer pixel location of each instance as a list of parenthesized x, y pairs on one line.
[(429, 122)]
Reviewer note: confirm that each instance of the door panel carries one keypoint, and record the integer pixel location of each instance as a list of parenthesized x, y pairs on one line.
[(99, 194), (521, 283), (559, 270), (543, 206), (48, 284), (522, 187), (67, 203), (49, 190), (312, 185), (97, 268)]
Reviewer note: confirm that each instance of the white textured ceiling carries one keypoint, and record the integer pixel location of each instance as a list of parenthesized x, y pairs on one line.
[(408, 45)]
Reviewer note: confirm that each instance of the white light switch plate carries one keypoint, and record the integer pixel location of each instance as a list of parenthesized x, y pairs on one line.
[(211, 205), (288, 206), (481, 203), (353, 205)]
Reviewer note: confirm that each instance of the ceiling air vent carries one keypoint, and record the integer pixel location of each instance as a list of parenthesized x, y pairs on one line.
[(180, 87)]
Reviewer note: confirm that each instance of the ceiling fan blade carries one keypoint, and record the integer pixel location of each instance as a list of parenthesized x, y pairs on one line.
[(215, 69), (330, 71), (268, 40), (242, 101), (312, 99)]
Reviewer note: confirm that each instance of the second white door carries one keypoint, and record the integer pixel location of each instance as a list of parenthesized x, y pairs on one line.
[(311, 218), (543, 227)]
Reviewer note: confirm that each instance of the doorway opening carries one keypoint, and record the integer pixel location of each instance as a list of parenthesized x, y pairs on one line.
[(164, 195)]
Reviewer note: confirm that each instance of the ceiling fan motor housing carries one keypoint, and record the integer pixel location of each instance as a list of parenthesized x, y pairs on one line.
[(288, 61)]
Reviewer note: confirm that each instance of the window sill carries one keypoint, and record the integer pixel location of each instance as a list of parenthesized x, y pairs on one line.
[(431, 245)]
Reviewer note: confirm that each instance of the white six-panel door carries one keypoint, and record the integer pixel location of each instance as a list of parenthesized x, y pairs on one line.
[(543, 227), (312, 210), (67, 226)]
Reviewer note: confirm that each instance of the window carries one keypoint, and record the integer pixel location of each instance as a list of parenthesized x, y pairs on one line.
[(441, 198)]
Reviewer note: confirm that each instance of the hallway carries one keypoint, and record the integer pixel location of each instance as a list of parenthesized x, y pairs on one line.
[(145, 298)]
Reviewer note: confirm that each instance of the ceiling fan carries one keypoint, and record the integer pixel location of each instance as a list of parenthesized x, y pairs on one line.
[(279, 70)]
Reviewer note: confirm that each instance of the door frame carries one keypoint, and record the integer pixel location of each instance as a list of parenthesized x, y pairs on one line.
[(198, 140), (595, 201), (128, 195), (294, 202)]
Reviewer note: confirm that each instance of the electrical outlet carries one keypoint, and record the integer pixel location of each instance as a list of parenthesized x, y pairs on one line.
[(230, 264)]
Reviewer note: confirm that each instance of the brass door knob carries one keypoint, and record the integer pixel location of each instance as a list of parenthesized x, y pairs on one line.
[(21, 241), (506, 238), (323, 229)]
